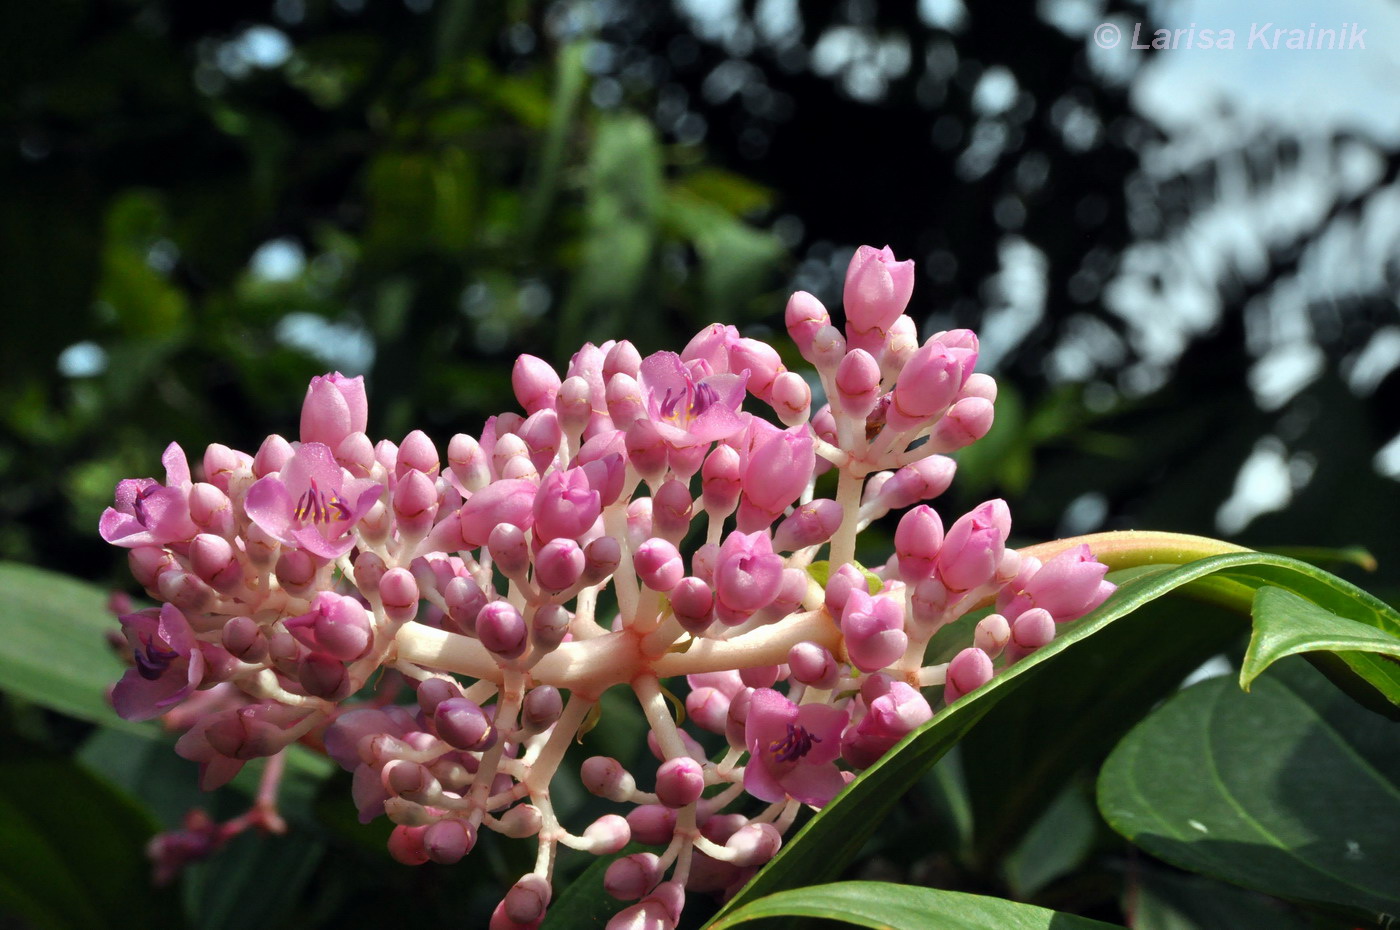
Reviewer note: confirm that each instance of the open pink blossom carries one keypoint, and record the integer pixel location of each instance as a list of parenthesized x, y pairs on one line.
[(168, 663), (312, 503), (148, 513), (687, 403), (792, 749)]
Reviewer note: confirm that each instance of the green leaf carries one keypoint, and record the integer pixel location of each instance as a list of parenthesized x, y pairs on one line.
[(53, 646), (1285, 625), (1164, 900), (905, 907), (833, 838), (1291, 790), (71, 848)]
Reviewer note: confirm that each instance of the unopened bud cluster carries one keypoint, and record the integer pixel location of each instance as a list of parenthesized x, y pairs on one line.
[(290, 578)]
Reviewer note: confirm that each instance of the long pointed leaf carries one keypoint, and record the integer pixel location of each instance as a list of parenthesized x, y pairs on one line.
[(831, 839), (906, 907)]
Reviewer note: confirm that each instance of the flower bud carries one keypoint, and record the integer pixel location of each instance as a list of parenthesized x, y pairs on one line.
[(1032, 629), (630, 877), (693, 604), (462, 724), (671, 511), (520, 821), (215, 561), (973, 548), (722, 479), (605, 777), (927, 478), (805, 316), (244, 639), (857, 384), (433, 691), (549, 626), (840, 584), (541, 708), (813, 665), (622, 357), (874, 631), (468, 463), (416, 453), (762, 362), (992, 634), (558, 565), (567, 503), (335, 625), (607, 835), (509, 550), (600, 559), (930, 381), (323, 676), (335, 406), (646, 450), (225, 467), (810, 524), (658, 565), (398, 591), (501, 629), (969, 670), (652, 824), (574, 405), (356, 455), (415, 504), (917, 539), (406, 845), (527, 899), (792, 398), (754, 844), (624, 399), (966, 421), (542, 436), (448, 840), (876, 291), (211, 510), (748, 574), (464, 599), (679, 782), (535, 383)]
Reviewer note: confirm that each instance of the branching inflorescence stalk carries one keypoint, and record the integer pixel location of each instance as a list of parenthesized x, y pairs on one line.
[(289, 578)]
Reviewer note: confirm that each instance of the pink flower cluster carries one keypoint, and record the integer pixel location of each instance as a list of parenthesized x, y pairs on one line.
[(293, 577)]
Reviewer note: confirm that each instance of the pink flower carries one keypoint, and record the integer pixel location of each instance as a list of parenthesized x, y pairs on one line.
[(687, 403), (168, 665), (792, 749), (312, 503), (148, 513), (777, 468)]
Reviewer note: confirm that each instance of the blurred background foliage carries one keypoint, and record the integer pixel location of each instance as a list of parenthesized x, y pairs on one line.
[(1183, 267)]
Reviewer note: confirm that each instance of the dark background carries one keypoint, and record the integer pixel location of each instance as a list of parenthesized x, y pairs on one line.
[(1192, 314)]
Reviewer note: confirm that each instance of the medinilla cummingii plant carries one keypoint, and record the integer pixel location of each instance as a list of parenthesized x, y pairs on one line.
[(443, 620)]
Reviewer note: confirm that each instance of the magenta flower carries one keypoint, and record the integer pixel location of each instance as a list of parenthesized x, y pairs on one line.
[(148, 513), (748, 575), (792, 749), (687, 403), (168, 665), (312, 503)]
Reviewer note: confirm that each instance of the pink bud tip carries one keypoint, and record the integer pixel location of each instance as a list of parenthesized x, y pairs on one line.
[(805, 316), (559, 565), (754, 844), (447, 841), (857, 383), (877, 290), (398, 590)]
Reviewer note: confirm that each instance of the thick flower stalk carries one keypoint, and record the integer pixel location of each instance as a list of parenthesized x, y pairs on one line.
[(293, 577)]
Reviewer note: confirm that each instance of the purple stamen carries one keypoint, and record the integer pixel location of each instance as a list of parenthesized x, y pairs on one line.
[(795, 745), (139, 505), (705, 396), (315, 508), (152, 662)]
